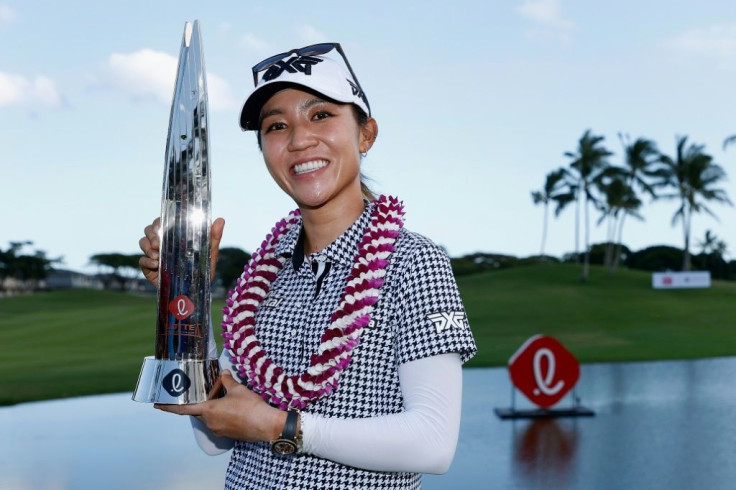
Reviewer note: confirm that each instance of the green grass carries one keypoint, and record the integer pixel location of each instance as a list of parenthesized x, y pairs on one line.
[(79, 342), (74, 342), (608, 319)]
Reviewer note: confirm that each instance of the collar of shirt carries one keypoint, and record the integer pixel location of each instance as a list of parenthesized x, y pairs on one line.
[(342, 251)]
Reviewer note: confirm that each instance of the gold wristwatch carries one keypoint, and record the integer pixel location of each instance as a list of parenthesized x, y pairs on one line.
[(289, 441)]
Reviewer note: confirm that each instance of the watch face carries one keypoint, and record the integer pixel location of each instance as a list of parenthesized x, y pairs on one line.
[(284, 446)]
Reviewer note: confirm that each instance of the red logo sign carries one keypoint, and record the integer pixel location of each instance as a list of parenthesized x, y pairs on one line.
[(181, 307), (543, 370), (667, 281)]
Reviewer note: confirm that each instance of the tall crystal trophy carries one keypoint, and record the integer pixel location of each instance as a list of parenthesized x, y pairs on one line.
[(184, 369)]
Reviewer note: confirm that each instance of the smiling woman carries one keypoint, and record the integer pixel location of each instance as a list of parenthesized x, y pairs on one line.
[(312, 150), (336, 375)]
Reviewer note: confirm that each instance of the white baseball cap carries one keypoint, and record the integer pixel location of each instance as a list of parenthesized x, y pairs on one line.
[(305, 67)]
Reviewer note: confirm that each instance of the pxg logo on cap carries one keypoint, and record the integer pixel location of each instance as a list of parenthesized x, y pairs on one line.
[(294, 64), (176, 382)]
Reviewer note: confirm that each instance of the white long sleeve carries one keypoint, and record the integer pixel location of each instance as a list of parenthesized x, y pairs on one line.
[(420, 439), (207, 441)]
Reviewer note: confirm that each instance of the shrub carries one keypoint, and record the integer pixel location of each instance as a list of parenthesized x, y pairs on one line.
[(656, 258)]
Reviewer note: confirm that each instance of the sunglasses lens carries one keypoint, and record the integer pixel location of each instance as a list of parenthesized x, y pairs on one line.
[(316, 49), (268, 62)]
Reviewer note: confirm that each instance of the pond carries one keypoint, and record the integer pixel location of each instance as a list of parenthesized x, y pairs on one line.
[(657, 425)]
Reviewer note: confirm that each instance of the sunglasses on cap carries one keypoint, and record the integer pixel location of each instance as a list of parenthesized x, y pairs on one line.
[(312, 50)]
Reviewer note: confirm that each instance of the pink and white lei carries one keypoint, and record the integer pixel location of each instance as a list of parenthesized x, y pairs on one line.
[(346, 324)]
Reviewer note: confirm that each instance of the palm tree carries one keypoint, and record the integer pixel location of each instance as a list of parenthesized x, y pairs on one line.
[(693, 175), (630, 205), (720, 248), (640, 162), (640, 159), (589, 161), (730, 140), (619, 201), (553, 190), (563, 199), (713, 248), (708, 244)]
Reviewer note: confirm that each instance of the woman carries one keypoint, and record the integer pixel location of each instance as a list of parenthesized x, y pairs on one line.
[(345, 336)]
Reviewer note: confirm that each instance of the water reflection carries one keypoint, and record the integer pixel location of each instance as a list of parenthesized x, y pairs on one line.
[(657, 425), (544, 450), (101, 442)]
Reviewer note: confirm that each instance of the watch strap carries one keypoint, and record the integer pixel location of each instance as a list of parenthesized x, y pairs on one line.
[(289, 442), (289, 430)]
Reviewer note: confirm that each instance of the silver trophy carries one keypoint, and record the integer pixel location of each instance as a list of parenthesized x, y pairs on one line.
[(184, 369)]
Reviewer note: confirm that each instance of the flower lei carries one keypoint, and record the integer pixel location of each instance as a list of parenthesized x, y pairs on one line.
[(346, 324)]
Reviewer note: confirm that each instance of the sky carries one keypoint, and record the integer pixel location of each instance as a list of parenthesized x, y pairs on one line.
[(476, 102)]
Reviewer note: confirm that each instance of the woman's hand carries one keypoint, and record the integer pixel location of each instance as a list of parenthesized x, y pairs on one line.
[(150, 244), (240, 414)]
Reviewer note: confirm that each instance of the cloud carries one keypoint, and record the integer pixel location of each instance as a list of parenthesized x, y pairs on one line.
[(717, 42), (305, 34), (548, 16), (219, 95), (142, 75), (224, 28), (19, 90), (148, 74), (311, 35), (7, 14), (251, 43)]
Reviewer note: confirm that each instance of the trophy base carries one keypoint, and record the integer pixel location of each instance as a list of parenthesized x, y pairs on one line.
[(177, 382)]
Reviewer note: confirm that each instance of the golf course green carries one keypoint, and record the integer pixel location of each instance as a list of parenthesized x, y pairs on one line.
[(81, 342)]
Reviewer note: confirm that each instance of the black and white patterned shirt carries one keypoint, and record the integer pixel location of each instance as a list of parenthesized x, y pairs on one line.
[(419, 314)]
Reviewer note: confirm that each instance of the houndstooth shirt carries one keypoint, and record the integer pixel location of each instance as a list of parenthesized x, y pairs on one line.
[(419, 314)]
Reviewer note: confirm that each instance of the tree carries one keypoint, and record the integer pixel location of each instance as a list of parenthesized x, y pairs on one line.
[(708, 244), (27, 269), (230, 264), (640, 161), (693, 175), (655, 258), (588, 163), (619, 201), (553, 190), (122, 267), (568, 196), (641, 158), (713, 249)]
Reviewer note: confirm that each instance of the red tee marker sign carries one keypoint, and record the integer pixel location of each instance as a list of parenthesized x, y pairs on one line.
[(543, 370), (181, 307)]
